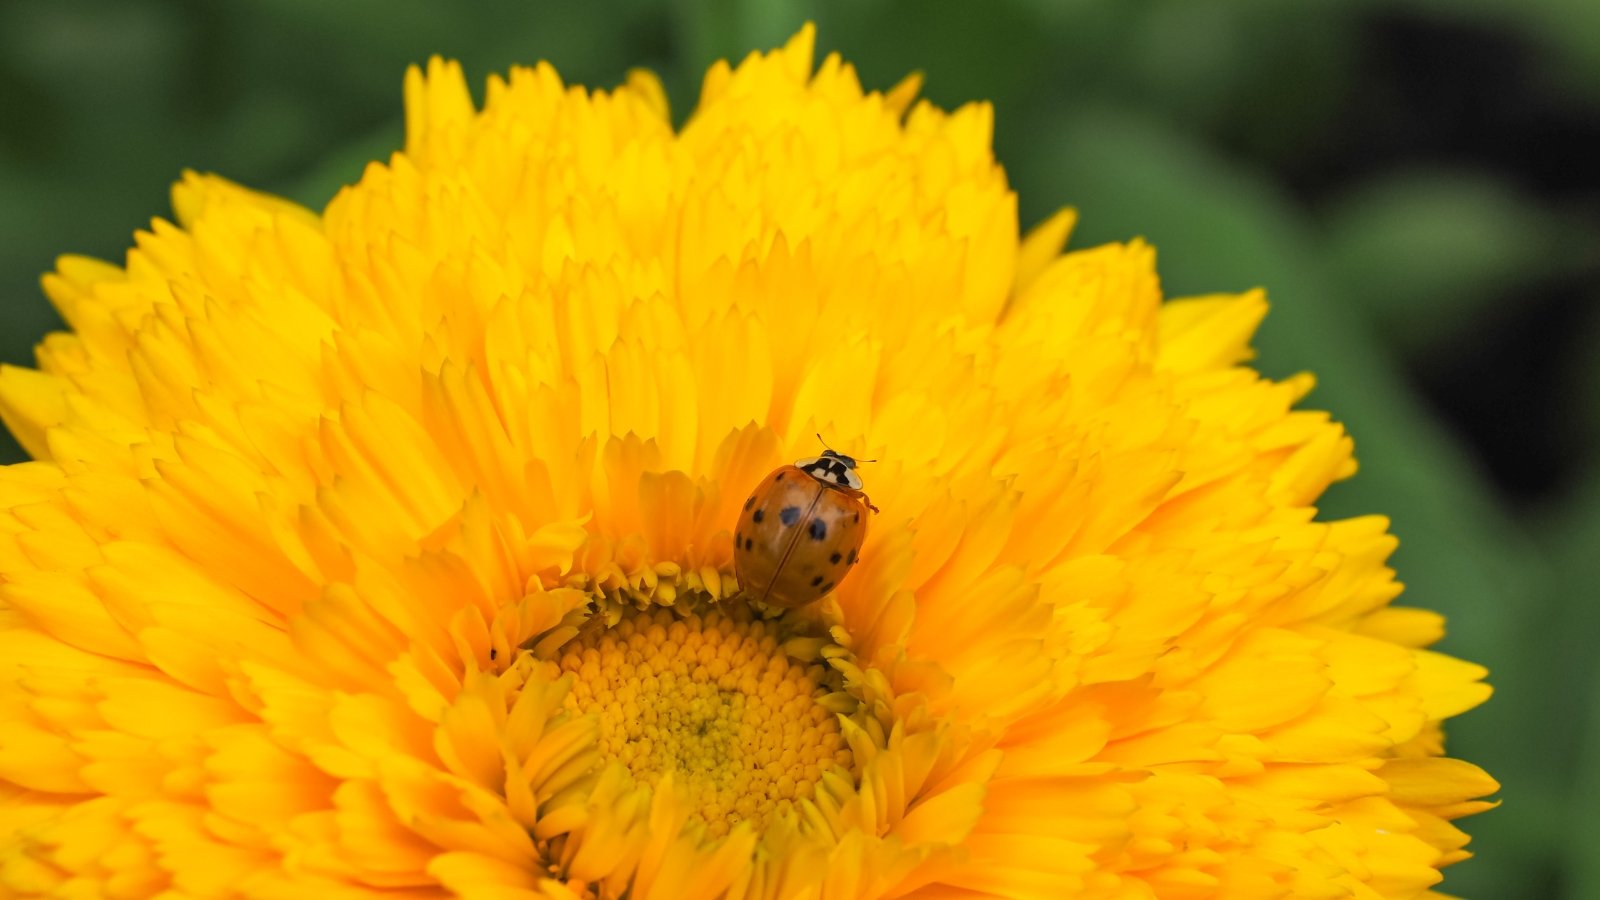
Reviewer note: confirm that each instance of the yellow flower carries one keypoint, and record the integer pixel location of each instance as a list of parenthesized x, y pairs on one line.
[(389, 549)]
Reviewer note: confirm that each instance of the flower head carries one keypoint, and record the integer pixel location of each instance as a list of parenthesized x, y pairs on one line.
[(389, 549)]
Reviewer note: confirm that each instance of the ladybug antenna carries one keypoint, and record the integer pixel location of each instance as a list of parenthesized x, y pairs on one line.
[(831, 450)]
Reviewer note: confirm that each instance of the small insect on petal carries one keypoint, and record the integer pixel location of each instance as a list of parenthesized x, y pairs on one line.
[(786, 560)]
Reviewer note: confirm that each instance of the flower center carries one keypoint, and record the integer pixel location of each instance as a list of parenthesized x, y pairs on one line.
[(712, 700)]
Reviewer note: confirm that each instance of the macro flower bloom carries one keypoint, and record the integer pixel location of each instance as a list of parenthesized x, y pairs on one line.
[(389, 549)]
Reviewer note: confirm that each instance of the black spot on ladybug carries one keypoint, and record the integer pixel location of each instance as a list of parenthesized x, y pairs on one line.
[(856, 516), (789, 515), (835, 557), (758, 515), (749, 543), (737, 539), (750, 502), (816, 581), (851, 560), (827, 587), (779, 478), (819, 529)]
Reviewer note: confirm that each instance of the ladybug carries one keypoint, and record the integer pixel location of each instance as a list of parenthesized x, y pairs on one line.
[(800, 532)]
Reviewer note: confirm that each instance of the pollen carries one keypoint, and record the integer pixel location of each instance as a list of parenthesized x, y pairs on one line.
[(713, 701)]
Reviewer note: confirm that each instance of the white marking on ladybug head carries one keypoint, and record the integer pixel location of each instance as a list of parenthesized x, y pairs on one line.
[(831, 468)]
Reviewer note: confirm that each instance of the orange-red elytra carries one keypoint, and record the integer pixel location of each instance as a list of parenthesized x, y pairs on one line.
[(800, 533)]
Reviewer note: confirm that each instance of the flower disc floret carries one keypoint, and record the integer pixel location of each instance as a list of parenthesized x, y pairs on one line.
[(715, 702)]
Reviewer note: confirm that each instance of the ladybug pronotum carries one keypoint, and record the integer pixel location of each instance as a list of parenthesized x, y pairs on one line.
[(800, 532)]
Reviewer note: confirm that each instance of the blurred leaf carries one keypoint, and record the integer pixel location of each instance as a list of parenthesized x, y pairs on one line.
[(1570, 27), (1584, 396), (967, 52), (1573, 531), (266, 131), (1424, 252), (344, 165), (709, 30), (1188, 55), (68, 46), (768, 23), (386, 27), (29, 218), (1267, 74)]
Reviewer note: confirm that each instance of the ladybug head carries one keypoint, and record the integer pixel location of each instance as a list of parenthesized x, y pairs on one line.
[(832, 468), (849, 461)]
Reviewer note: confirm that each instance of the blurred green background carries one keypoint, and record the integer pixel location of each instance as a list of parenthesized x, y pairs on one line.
[(1415, 183)]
